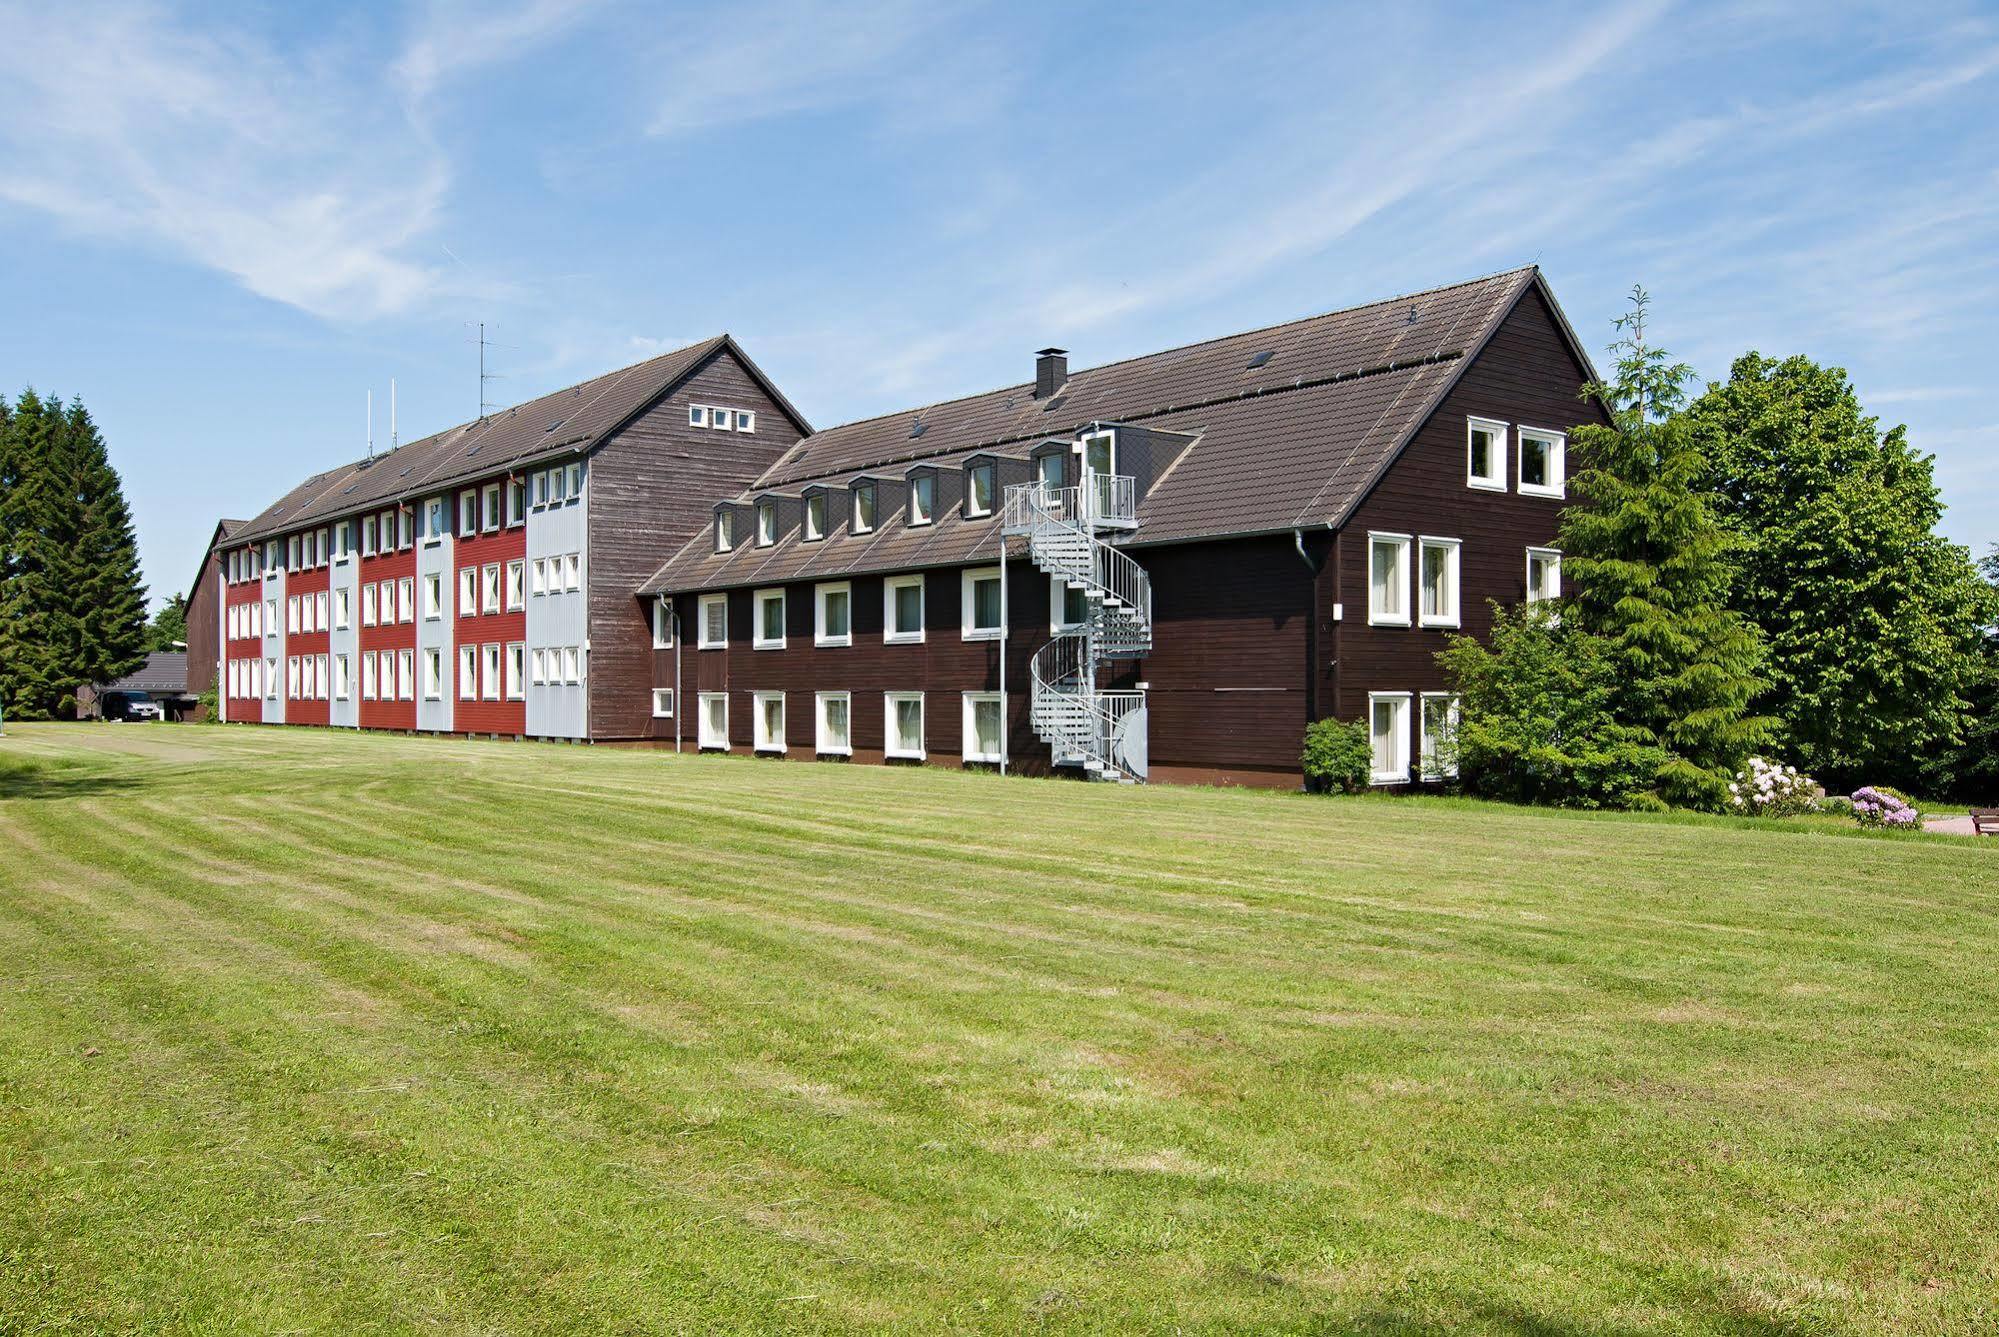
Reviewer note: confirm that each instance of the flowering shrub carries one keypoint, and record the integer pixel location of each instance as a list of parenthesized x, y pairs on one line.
[(1765, 789), (1878, 805)]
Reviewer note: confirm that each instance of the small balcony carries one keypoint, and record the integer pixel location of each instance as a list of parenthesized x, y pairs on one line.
[(1104, 501)]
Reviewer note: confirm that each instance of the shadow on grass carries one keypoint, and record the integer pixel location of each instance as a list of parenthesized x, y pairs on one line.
[(32, 780), (1526, 1323)]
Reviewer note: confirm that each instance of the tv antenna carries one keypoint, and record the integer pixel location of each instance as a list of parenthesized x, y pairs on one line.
[(484, 375)]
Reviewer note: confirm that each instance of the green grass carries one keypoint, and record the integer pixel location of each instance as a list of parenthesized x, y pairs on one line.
[(309, 1031)]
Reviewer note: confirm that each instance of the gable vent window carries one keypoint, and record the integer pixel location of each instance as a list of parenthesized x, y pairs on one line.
[(1485, 454)]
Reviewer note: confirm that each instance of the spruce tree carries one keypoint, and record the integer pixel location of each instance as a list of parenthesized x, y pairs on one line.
[(1647, 558), (1872, 618), (34, 631), (108, 606)]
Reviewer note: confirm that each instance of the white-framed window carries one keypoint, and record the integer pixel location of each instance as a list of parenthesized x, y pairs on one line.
[(433, 595), (319, 618), (291, 613), (489, 672), (433, 674), (343, 608), (833, 614), (406, 599), (269, 625), (1437, 723), (434, 527), (725, 530), (539, 484), (922, 498), (540, 578), (468, 513), (1485, 454), (769, 624), (769, 717), (468, 673), (746, 421), (572, 664), (985, 726), (697, 415), (322, 679), (558, 486), (516, 582), (902, 610), (406, 674), (538, 668), (1099, 452), (719, 419), (714, 629), (468, 590), (489, 585), (979, 484), (343, 540), (903, 724), (714, 730), (662, 622), (271, 678), (766, 523), (1544, 574), (662, 703), (367, 536), (1437, 581), (864, 508), (1068, 607), (1388, 734), (1388, 580), (368, 605), (517, 502), (367, 675), (343, 686), (1049, 471), (1541, 463), (517, 654), (981, 603), (833, 731), (575, 470), (815, 516), (572, 571)]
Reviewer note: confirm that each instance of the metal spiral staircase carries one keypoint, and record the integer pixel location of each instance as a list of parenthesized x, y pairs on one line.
[(1104, 732)]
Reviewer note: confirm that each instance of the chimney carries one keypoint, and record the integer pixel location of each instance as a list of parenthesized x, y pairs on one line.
[(1051, 371)]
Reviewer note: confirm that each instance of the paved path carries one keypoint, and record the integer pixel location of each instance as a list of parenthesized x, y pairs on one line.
[(1959, 825)]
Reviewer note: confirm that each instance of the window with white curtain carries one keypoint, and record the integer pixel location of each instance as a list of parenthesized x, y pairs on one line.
[(1388, 579), (1388, 733)]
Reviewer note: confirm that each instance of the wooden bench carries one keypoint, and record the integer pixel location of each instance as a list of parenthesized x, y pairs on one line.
[(1985, 821)]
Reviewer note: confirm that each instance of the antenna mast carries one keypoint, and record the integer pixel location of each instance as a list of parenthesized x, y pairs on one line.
[(484, 375)]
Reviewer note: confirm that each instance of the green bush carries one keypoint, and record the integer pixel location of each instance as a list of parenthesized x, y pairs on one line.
[(1337, 757), (1537, 722)]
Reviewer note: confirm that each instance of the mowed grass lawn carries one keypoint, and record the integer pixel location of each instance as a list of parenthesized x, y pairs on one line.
[(308, 1031)]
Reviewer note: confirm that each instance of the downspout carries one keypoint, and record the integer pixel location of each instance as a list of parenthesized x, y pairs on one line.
[(1311, 627)]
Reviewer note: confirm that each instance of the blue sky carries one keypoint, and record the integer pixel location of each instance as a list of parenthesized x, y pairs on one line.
[(222, 224)]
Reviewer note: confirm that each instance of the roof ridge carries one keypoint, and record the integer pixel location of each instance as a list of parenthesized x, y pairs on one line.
[(1195, 343)]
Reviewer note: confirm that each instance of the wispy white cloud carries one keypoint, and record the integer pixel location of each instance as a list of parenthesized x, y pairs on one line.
[(296, 174), (453, 38), (771, 58), (1919, 394)]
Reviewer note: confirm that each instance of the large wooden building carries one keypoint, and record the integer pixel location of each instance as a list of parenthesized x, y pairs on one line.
[(1162, 568)]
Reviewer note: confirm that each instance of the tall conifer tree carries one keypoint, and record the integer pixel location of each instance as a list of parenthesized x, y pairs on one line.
[(33, 634), (109, 605), (1646, 554)]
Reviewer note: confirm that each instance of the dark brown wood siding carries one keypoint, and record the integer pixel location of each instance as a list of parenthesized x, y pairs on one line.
[(652, 486), (1525, 376), (204, 628), (1226, 675)]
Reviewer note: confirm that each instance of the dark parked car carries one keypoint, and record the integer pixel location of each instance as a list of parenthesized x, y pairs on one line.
[(131, 706)]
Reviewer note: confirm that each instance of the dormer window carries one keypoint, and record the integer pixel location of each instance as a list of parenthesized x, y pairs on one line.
[(725, 531), (922, 498), (979, 489), (864, 508), (1048, 471), (815, 516), (1100, 453), (766, 523)]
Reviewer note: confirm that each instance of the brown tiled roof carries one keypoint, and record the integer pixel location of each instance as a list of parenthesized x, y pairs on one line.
[(1293, 441), (569, 420)]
